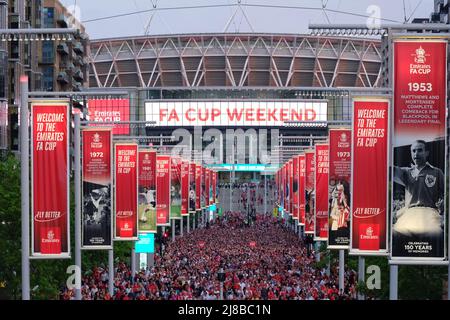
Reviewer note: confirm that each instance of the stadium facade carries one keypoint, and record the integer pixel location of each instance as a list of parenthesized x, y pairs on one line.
[(260, 69)]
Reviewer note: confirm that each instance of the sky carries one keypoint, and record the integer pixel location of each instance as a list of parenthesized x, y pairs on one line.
[(227, 16)]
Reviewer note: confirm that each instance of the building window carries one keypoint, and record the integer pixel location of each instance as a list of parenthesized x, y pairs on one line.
[(48, 54), (49, 17), (48, 78)]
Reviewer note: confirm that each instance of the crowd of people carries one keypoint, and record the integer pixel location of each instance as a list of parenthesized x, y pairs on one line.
[(247, 196), (262, 261)]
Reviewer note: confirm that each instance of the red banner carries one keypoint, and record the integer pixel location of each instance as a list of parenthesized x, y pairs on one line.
[(295, 194), (147, 191), (198, 186), (321, 212), (214, 185), (192, 182), (339, 184), (185, 188), (285, 190), (302, 182), (309, 191), (126, 195), (50, 192), (163, 171), (291, 179), (369, 176), (147, 168), (96, 189), (419, 150), (277, 183), (242, 113), (175, 189), (204, 198), (111, 110), (207, 186)]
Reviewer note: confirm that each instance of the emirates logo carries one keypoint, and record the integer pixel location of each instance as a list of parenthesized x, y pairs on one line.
[(343, 137), (50, 235), (126, 226), (146, 157), (420, 55), (369, 231)]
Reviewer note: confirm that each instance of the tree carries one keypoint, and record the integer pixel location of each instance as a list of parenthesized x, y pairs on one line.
[(10, 226)]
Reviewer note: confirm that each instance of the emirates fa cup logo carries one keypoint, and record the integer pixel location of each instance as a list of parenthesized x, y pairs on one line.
[(420, 55)]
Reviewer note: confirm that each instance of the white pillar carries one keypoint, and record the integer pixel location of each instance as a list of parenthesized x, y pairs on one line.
[(393, 282), (341, 270)]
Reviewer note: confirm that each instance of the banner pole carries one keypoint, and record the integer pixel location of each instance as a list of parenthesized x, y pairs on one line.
[(393, 282), (25, 186), (188, 223), (181, 226), (361, 274), (133, 264), (231, 193), (111, 272), (265, 194), (77, 178), (341, 270), (173, 230), (163, 231)]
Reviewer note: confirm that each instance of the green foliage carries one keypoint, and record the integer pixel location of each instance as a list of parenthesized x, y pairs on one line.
[(10, 228), (421, 282)]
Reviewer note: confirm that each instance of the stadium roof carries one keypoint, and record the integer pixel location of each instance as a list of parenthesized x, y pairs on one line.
[(235, 60)]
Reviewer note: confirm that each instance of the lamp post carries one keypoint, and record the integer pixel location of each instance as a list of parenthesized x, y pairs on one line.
[(25, 34), (221, 278)]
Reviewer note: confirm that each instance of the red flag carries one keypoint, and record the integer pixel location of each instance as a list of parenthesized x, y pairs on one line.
[(369, 175), (419, 150), (97, 221), (321, 212), (147, 191), (126, 195), (185, 188), (163, 172), (50, 179), (302, 182), (198, 187), (339, 184), (309, 191)]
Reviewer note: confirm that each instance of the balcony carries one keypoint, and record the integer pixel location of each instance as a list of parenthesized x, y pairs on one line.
[(78, 75), (77, 86), (62, 49), (78, 48), (78, 60), (62, 21), (67, 66), (63, 78)]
